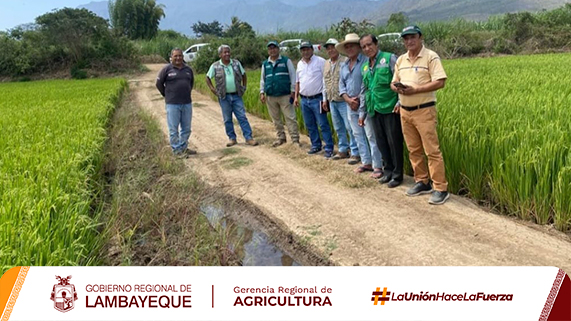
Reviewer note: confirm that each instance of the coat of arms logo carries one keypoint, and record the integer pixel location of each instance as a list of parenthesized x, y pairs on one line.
[(63, 294)]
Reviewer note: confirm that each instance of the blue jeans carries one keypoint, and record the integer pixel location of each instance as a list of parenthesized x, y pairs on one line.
[(375, 151), (179, 115), (233, 103), (365, 137), (342, 127), (311, 116)]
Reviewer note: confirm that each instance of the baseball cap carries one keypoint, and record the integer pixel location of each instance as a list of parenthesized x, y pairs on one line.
[(331, 41), (272, 42), (410, 30), (306, 44)]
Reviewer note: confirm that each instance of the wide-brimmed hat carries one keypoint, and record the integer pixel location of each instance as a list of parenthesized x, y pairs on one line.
[(350, 38), (410, 30)]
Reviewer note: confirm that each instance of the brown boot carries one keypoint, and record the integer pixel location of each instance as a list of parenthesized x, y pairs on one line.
[(341, 155), (252, 142), (231, 143), (354, 160)]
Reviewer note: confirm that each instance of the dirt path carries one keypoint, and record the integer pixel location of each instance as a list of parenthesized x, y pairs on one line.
[(370, 225)]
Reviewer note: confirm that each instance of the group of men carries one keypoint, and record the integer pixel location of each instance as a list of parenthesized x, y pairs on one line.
[(175, 82), (377, 102)]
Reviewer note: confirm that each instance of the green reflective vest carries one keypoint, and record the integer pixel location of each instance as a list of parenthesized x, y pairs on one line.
[(276, 77), (377, 79)]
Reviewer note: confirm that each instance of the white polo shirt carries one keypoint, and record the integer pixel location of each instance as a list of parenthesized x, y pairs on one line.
[(310, 76)]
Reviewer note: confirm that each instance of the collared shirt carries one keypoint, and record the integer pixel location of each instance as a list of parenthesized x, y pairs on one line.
[(426, 68), (175, 84), (230, 82), (310, 76), (290, 70), (351, 82)]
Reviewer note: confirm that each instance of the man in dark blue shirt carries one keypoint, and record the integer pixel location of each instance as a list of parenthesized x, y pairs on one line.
[(175, 82)]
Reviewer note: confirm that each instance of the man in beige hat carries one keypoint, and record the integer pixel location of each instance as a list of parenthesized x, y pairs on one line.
[(350, 82), (335, 104)]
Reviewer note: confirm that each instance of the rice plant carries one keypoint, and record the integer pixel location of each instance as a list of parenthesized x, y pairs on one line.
[(506, 136), (51, 150)]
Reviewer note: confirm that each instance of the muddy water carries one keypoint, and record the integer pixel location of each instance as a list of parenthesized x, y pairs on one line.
[(253, 248)]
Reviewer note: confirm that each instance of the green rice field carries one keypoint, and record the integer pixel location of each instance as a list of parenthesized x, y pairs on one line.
[(51, 150)]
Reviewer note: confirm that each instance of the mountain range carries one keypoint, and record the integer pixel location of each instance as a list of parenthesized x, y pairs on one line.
[(267, 16)]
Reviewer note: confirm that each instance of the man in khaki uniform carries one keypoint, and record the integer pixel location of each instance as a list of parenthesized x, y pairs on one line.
[(418, 74)]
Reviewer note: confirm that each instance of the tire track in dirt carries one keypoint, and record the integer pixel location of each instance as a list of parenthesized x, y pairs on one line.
[(373, 225)]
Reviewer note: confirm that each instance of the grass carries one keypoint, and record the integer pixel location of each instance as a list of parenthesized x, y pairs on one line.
[(153, 214), (230, 151), (236, 162)]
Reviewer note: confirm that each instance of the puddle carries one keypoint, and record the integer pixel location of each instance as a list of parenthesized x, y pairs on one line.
[(253, 248)]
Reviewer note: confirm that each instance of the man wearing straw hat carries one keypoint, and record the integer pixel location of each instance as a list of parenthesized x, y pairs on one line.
[(418, 74), (277, 90), (350, 83), (335, 104)]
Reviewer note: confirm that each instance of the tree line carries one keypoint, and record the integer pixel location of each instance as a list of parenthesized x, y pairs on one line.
[(77, 39)]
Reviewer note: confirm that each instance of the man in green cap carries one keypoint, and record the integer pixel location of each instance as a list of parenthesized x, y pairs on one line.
[(277, 91), (418, 74)]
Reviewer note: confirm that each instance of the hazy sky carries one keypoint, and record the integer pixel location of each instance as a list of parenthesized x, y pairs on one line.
[(15, 12)]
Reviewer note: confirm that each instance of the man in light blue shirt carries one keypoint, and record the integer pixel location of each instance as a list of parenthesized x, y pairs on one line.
[(350, 89)]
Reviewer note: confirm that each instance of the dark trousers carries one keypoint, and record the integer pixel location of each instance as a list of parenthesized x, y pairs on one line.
[(388, 133)]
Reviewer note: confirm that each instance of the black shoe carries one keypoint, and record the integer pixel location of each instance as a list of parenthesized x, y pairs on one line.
[(384, 179), (419, 189), (438, 197), (314, 151), (180, 154), (394, 183), (189, 151)]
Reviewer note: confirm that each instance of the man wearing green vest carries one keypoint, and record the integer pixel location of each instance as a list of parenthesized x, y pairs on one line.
[(277, 90), (380, 102)]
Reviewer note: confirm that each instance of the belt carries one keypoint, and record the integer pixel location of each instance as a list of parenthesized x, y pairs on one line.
[(312, 97), (411, 108), (234, 93)]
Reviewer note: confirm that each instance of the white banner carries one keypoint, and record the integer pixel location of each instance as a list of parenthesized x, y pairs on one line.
[(284, 293)]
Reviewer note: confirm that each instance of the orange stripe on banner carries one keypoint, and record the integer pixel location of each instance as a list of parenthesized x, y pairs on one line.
[(10, 286)]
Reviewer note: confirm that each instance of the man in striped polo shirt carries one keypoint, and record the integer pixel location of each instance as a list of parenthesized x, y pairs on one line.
[(418, 74)]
